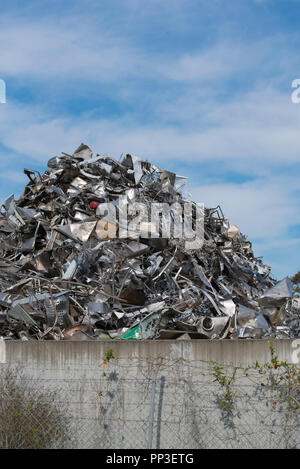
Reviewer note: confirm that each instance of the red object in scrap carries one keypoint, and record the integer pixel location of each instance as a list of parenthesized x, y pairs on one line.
[(94, 204)]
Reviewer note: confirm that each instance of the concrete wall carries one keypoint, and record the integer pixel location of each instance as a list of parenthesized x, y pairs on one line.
[(111, 400), (68, 353)]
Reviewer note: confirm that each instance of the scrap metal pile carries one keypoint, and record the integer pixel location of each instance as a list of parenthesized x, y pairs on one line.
[(67, 273)]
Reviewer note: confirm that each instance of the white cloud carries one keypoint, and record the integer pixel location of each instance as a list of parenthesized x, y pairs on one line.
[(77, 47), (48, 50), (13, 176), (261, 131), (263, 209)]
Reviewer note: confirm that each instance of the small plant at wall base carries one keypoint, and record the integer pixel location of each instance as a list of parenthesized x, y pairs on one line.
[(30, 418)]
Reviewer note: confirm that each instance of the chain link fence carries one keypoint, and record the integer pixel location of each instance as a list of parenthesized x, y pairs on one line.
[(153, 404)]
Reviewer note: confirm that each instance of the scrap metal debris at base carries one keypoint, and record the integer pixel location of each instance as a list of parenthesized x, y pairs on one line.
[(66, 275)]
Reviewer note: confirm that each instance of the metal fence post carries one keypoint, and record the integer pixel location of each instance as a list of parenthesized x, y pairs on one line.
[(151, 415), (159, 410)]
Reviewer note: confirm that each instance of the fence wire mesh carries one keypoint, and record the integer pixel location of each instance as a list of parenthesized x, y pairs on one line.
[(149, 404)]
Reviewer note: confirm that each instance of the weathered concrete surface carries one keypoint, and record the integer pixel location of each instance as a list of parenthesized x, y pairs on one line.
[(2, 351), (110, 400), (59, 354)]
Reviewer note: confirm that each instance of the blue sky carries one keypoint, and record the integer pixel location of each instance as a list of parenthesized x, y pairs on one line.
[(202, 88)]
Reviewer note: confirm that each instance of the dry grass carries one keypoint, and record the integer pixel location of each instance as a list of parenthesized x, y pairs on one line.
[(30, 417)]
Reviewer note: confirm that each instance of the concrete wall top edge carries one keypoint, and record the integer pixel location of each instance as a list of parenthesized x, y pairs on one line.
[(120, 341), (80, 353)]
